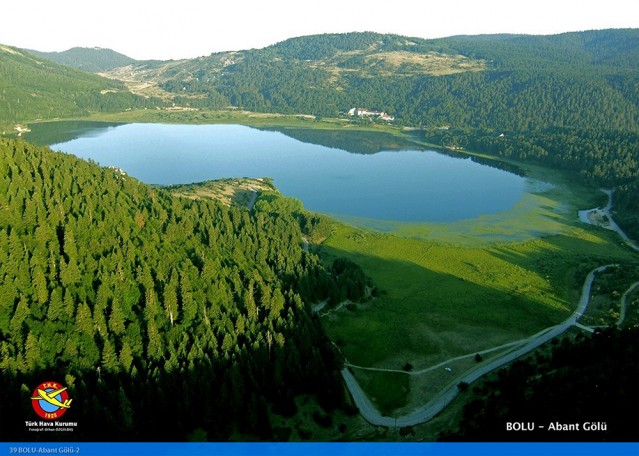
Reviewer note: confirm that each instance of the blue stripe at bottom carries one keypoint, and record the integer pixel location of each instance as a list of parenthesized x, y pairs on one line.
[(312, 449)]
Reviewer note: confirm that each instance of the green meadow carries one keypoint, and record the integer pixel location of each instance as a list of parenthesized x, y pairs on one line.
[(447, 291)]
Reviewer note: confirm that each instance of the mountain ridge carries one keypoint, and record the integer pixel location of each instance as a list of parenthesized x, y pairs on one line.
[(89, 59), (32, 87), (517, 82)]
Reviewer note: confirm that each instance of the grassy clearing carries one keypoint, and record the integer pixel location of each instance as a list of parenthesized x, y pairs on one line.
[(442, 301), (425, 387), (435, 64), (388, 391), (239, 192)]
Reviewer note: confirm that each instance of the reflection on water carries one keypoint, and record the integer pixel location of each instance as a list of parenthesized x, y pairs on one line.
[(355, 142), (47, 133)]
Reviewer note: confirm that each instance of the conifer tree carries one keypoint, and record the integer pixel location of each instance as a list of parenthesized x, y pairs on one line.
[(19, 316), (84, 320), (116, 317), (55, 311), (31, 352), (109, 357), (126, 357)]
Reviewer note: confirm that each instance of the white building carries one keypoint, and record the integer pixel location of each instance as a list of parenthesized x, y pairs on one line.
[(365, 112)]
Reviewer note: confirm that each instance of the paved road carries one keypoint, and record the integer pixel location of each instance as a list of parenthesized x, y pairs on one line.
[(417, 373), (622, 313), (612, 225), (432, 408)]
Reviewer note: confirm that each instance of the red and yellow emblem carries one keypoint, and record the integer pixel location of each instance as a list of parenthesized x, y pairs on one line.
[(50, 400)]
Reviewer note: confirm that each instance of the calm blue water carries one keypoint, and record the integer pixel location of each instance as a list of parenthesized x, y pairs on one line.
[(401, 185)]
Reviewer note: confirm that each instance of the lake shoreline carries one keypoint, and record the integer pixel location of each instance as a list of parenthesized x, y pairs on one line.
[(361, 174)]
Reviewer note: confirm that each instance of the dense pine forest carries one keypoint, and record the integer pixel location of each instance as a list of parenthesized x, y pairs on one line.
[(163, 315)]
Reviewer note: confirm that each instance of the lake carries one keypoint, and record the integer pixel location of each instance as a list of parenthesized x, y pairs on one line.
[(353, 175)]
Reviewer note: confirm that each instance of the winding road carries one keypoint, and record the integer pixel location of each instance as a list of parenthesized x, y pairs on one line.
[(622, 313), (519, 348)]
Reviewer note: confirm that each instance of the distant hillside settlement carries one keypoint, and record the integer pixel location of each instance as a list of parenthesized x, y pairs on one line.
[(365, 112)]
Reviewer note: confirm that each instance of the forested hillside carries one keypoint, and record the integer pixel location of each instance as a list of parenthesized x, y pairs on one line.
[(511, 82), (585, 80), (161, 314), (91, 60), (34, 88)]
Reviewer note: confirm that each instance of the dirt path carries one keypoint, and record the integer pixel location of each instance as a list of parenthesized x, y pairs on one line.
[(252, 201)]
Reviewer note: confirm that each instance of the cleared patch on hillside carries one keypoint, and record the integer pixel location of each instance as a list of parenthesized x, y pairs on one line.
[(9, 50), (432, 63), (230, 192), (368, 63), (139, 80)]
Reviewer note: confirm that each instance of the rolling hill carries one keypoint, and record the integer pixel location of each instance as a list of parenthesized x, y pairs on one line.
[(91, 60), (499, 82), (35, 88)]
